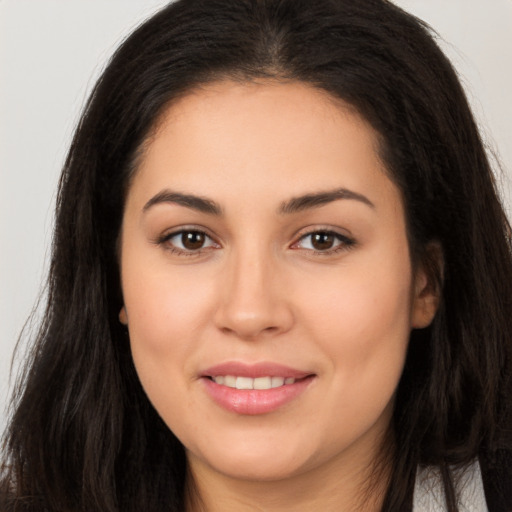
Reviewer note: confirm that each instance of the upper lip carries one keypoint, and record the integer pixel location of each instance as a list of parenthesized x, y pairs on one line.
[(262, 369)]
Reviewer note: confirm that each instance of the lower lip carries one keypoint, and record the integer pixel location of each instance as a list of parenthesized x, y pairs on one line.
[(255, 401)]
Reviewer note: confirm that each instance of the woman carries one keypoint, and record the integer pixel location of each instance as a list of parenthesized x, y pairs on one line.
[(281, 277)]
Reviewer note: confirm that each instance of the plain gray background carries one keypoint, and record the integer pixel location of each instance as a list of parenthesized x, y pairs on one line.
[(51, 52)]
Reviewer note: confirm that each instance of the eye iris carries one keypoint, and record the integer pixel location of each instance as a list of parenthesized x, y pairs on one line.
[(322, 241), (192, 240)]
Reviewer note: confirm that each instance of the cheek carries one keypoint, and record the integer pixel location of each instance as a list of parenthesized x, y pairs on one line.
[(166, 313), (362, 302), (161, 301), (361, 319), (363, 326)]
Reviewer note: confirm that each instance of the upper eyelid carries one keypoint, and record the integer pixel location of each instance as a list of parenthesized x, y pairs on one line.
[(172, 232), (311, 230), (328, 231), (340, 236)]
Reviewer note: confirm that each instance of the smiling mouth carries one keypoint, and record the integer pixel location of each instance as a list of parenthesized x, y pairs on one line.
[(253, 389), (258, 383)]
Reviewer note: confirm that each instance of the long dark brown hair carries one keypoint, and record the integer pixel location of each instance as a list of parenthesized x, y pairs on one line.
[(83, 435)]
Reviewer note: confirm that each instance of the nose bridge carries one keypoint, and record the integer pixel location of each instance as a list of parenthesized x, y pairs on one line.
[(251, 278), (252, 299)]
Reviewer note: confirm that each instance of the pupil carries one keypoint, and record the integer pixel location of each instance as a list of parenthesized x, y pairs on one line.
[(192, 240), (322, 241)]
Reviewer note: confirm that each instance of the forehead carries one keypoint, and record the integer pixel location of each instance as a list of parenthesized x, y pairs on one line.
[(229, 137)]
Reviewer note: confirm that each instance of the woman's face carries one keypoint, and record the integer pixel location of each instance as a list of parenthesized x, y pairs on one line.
[(267, 280)]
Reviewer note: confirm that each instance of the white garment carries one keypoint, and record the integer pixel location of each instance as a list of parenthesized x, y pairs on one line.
[(429, 493)]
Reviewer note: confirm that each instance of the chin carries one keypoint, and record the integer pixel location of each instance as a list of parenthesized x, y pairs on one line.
[(260, 470), (268, 461)]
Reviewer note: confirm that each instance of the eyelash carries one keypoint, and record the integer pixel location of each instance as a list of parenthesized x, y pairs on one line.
[(345, 243), (165, 241)]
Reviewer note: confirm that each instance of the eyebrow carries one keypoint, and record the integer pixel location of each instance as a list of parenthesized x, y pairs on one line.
[(305, 202), (198, 203), (296, 204)]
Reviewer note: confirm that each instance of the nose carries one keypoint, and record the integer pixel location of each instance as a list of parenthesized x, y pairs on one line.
[(254, 301)]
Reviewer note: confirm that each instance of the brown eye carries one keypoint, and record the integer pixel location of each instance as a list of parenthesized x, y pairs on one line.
[(192, 240), (326, 242), (322, 241), (188, 242)]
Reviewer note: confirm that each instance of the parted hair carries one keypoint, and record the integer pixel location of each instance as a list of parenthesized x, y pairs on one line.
[(83, 436)]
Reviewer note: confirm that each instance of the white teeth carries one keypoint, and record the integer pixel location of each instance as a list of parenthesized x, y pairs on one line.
[(262, 383), (248, 383), (244, 383), (277, 382), (230, 381)]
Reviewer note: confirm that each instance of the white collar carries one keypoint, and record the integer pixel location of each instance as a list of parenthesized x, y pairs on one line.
[(429, 493)]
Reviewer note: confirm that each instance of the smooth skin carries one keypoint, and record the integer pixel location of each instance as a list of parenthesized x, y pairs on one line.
[(245, 271)]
